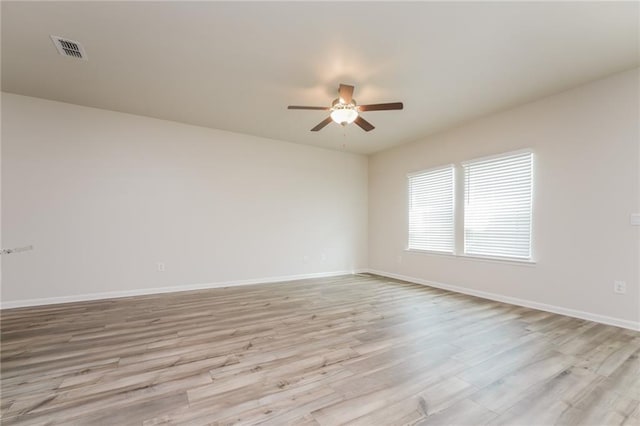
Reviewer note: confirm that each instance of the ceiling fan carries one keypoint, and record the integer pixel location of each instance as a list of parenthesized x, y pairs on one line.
[(344, 110)]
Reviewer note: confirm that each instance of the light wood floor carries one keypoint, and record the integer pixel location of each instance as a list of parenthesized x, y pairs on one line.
[(361, 350)]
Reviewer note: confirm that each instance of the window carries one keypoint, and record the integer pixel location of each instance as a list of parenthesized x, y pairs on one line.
[(494, 216), (431, 210), (497, 206)]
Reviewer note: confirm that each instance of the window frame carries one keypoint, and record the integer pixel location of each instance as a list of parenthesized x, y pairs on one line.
[(451, 166), (531, 213)]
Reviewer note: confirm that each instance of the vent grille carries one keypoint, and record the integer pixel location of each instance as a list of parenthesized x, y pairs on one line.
[(68, 47)]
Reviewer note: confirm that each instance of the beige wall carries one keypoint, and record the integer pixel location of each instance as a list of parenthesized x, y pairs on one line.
[(104, 196), (586, 144)]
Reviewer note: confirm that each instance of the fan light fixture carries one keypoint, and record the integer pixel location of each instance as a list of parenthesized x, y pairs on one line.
[(343, 110), (344, 114)]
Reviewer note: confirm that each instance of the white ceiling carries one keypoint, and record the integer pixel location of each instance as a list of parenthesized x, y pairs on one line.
[(236, 66)]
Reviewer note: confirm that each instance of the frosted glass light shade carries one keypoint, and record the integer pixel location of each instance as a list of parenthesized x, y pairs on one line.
[(344, 115)]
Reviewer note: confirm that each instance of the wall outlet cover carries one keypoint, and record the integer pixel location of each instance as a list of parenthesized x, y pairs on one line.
[(620, 287)]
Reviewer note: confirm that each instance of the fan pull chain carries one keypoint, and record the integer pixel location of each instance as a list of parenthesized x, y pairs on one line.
[(344, 137)]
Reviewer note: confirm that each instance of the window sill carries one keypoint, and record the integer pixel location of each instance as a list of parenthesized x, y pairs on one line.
[(519, 262)]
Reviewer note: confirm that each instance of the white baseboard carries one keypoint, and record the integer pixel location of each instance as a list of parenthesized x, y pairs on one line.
[(603, 319), (172, 289), (618, 322)]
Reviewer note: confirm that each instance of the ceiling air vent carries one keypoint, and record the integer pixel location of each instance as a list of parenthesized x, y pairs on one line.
[(68, 47)]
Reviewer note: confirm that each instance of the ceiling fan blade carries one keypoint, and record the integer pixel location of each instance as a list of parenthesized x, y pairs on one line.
[(308, 107), (381, 107), (366, 126), (322, 124), (345, 93)]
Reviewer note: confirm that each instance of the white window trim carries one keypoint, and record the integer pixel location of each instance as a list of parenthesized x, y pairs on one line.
[(430, 170), (490, 259), (497, 156), (504, 155)]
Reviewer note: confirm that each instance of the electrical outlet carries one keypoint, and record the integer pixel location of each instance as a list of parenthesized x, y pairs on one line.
[(323, 257), (160, 266), (305, 259), (620, 287), (399, 259)]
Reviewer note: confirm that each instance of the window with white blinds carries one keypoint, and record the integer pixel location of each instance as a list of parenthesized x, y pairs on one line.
[(431, 210), (498, 206)]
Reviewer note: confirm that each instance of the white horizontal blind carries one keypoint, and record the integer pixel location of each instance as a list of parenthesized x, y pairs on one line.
[(497, 209), (431, 210)]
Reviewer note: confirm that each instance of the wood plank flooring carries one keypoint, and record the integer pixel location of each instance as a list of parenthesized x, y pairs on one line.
[(359, 350)]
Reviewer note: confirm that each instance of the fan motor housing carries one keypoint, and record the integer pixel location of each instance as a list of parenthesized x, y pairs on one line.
[(336, 101)]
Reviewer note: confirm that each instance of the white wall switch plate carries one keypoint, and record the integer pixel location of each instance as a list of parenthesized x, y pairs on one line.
[(635, 219), (620, 287), (160, 266)]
